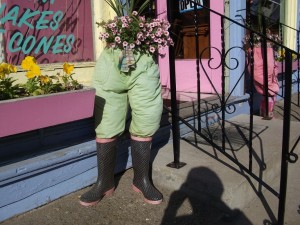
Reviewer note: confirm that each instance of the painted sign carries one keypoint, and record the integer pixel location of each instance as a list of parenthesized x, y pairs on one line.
[(187, 5), (50, 30)]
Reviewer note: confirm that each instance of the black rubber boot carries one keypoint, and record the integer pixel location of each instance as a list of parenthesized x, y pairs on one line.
[(140, 152), (106, 160)]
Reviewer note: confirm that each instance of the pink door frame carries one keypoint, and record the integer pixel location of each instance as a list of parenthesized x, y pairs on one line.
[(186, 74)]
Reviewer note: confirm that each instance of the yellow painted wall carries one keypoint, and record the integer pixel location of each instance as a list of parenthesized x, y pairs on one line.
[(289, 11), (101, 11)]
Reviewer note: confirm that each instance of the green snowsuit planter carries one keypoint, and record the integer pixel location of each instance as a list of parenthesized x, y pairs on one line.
[(140, 87), (115, 90)]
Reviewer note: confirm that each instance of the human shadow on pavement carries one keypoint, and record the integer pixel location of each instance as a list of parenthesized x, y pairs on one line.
[(203, 190)]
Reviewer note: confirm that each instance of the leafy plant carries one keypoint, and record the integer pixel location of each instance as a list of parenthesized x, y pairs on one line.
[(123, 8), (7, 89), (37, 83), (257, 38), (262, 23), (136, 33), (280, 55)]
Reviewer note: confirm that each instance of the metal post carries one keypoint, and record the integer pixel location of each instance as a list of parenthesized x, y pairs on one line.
[(175, 122), (281, 38), (286, 136), (265, 70), (298, 68), (196, 23)]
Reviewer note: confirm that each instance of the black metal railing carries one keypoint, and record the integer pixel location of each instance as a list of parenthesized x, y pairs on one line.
[(225, 107)]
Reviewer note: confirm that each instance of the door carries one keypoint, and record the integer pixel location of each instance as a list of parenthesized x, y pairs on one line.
[(209, 40)]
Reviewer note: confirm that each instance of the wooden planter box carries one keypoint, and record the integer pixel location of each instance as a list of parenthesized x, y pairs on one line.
[(31, 113)]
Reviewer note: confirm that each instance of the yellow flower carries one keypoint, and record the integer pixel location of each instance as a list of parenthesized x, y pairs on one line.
[(44, 79), (12, 69), (28, 62), (2, 70), (6, 69), (68, 68), (281, 53), (34, 71), (294, 56), (2, 73)]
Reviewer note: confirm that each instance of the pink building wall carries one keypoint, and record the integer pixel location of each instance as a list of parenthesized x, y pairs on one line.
[(186, 74), (54, 31), (36, 112)]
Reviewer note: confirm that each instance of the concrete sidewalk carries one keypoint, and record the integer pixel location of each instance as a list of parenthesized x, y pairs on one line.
[(208, 190)]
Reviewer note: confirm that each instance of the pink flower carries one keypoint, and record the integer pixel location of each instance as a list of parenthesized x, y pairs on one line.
[(158, 34), (132, 46), (139, 35), (118, 39), (151, 49), (123, 19), (134, 13), (125, 43)]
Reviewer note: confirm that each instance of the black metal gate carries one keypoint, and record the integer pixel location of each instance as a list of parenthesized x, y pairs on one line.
[(220, 135)]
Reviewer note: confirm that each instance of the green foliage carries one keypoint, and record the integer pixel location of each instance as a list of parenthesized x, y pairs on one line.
[(8, 90), (121, 9), (36, 84)]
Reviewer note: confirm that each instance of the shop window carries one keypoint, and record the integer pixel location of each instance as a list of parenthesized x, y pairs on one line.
[(184, 29), (50, 30), (269, 9), (149, 11)]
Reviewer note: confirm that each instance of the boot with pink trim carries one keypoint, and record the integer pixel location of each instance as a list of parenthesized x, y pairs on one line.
[(140, 152), (104, 186)]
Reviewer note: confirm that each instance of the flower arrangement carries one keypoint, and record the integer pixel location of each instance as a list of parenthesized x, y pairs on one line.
[(135, 32), (37, 83), (257, 39), (7, 89), (280, 55), (258, 11)]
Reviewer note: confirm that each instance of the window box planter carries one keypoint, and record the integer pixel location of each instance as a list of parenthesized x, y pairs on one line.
[(36, 112)]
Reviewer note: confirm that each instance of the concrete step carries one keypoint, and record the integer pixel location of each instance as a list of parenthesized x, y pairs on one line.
[(209, 173)]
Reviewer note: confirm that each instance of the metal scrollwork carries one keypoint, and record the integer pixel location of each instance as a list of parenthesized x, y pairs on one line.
[(230, 108)]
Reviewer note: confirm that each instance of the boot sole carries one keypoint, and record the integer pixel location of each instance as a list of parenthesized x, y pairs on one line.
[(157, 202), (107, 193)]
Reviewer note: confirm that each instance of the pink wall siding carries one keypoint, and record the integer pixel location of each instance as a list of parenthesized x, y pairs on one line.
[(54, 31), (186, 74), (31, 113)]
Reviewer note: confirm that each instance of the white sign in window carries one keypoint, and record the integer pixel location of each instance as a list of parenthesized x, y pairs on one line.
[(187, 5)]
